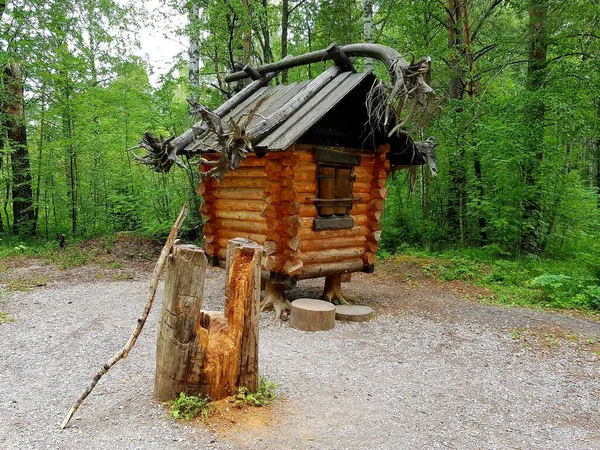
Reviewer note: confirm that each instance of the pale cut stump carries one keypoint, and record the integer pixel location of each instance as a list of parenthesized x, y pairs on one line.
[(353, 313), (312, 315)]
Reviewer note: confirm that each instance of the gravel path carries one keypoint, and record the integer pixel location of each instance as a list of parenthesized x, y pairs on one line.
[(430, 371)]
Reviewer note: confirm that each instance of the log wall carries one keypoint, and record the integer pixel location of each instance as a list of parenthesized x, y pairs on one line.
[(271, 201), (349, 250), (232, 207)]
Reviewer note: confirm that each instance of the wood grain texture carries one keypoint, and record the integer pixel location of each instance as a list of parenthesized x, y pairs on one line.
[(184, 293), (308, 314)]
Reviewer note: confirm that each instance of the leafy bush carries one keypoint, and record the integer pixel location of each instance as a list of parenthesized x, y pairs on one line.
[(263, 395), (189, 407)]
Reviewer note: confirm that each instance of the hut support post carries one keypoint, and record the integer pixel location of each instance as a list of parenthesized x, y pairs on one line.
[(333, 290), (206, 352), (275, 299)]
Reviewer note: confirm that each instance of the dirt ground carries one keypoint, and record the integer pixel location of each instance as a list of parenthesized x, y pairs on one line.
[(433, 369)]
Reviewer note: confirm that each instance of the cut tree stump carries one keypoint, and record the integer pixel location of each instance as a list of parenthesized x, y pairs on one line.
[(206, 352), (333, 290), (353, 313), (312, 315), (181, 309), (275, 299)]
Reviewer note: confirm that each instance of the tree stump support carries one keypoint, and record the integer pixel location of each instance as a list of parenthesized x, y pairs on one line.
[(206, 352), (333, 291), (275, 299)]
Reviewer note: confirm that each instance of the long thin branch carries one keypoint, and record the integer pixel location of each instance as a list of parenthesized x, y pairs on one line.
[(160, 264)]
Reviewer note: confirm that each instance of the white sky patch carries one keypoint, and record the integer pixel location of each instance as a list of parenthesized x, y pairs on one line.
[(158, 39)]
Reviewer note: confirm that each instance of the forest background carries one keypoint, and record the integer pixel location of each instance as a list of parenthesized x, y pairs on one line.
[(514, 206)]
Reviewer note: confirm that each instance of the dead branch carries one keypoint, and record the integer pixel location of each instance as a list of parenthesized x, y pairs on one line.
[(140, 322)]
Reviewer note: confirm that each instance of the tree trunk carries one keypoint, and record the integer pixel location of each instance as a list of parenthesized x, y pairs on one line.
[(533, 228), (368, 29), (194, 50), (285, 17), (181, 310), (16, 133), (209, 353)]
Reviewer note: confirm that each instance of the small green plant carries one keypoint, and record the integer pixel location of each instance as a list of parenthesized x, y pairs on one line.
[(189, 407), (5, 318), (263, 395)]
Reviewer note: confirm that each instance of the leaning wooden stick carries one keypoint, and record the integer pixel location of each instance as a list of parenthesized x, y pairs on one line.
[(160, 264)]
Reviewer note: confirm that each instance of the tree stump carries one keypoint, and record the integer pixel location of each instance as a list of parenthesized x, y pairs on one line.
[(333, 291), (353, 313), (275, 299), (312, 315), (181, 309), (206, 352)]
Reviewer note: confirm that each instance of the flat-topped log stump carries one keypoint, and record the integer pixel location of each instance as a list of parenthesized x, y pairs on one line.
[(312, 315), (353, 313)]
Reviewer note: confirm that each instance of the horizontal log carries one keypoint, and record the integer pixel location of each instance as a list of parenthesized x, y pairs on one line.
[(305, 174), (293, 244), (332, 254), (309, 245), (238, 193), (245, 172), (209, 238), (241, 205), (360, 208), (292, 266), (333, 268), (250, 216), (379, 183), (379, 193), (309, 233), (275, 262), (249, 182), (290, 208), (256, 237), (307, 211), (362, 187), (269, 211), (287, 194), (240, 225), (253, 161), (369, 258), (270, 248), (359, 219), (306, 186)]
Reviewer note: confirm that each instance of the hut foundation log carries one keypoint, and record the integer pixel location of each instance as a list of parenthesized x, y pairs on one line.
[(333, 291), (275, 300)]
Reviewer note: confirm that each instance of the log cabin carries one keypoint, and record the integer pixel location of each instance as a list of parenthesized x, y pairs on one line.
[(308, 181)]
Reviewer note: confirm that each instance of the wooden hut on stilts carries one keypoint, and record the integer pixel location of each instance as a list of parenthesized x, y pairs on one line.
[(301, 168)]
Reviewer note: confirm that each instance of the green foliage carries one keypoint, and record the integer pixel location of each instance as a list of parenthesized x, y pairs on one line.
[(263, 395), (189, 407), (524, 281)]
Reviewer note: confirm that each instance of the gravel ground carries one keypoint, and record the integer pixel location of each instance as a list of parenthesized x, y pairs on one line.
[(430, 371)]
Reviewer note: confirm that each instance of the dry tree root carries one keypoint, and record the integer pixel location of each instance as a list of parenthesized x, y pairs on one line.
[(275, 299), (333, 291)]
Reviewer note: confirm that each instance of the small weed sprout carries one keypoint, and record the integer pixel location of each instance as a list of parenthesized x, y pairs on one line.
[(263, 395), (189, 407)]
